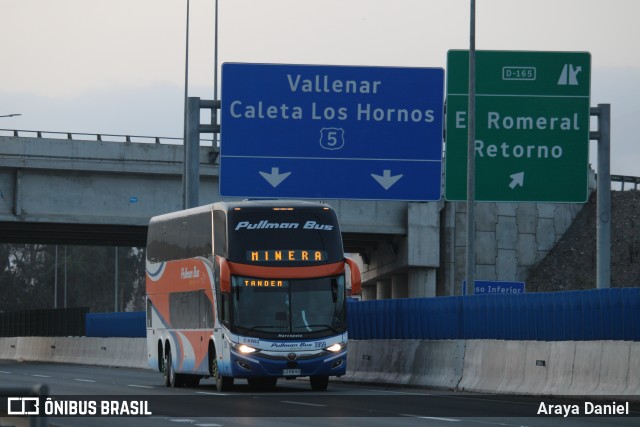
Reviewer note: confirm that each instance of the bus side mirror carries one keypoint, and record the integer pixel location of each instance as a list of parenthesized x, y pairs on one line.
[(356, 279), (225, 275)]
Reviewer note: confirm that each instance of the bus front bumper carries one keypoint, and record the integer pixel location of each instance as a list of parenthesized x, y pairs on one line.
[(286, 365)]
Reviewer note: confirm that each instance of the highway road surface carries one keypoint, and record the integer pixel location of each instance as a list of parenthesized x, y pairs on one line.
[(90, 389)]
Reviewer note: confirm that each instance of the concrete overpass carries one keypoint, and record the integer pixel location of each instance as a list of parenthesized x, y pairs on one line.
[(102, 189)]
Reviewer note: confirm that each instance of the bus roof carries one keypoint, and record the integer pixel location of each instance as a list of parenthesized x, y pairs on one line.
[(226, 206)]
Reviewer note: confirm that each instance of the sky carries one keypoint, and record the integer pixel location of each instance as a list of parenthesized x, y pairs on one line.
[(118, 66)]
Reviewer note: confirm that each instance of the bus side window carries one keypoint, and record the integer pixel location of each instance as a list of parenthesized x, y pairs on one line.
[(225, 315), (206, 311), (220, 233), (149, 312), (222, 299)]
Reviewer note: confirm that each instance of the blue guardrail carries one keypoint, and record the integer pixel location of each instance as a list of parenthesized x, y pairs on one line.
[(126, 325), (601, 314)]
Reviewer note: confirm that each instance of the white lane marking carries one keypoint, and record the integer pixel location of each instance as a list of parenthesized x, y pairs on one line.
[(301, 403), (431, 418), (182, 420), (211, 393), (139, 386), (5, 372), (208, 425), (41, 376), (84, 381), (399, 392)]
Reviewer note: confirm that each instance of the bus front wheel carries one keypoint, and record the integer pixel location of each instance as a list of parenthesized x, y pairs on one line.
[(224, 383), (319, 382)]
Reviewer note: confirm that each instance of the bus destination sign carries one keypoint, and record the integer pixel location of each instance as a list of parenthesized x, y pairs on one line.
[(289, 255)]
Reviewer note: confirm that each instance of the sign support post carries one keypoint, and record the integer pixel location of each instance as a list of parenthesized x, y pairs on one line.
[(471, 158), (603, 189), (193, 128)]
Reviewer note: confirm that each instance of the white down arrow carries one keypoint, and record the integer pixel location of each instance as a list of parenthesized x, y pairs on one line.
[(275, 178), (386, 180)]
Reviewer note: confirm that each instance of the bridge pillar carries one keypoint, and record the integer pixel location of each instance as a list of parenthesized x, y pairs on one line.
[(422, 282), (368, 293), (399, 286), (383, 289), (405, 265)]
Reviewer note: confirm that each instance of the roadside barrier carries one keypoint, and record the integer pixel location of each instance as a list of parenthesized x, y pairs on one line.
[(121, 352), (490, 366)]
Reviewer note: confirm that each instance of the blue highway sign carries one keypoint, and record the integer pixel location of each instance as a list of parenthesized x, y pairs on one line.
[(495, 287), (331, 132)]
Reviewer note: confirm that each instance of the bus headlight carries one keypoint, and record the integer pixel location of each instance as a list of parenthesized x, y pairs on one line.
[(245, 349), (335, 348)]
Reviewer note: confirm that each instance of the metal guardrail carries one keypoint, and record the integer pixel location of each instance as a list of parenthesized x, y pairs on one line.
[(623, 180), (39, 391), (24, 133)]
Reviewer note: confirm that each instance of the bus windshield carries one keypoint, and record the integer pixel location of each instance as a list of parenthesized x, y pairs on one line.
[(288, 308)]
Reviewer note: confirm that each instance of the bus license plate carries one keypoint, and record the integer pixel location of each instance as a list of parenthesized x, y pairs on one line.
[(291, 372)]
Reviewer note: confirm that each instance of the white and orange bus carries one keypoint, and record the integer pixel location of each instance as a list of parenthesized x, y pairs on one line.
[(251, 289)]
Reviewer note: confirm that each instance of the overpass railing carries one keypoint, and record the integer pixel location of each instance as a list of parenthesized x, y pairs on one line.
[(21, 133), (624, 180)]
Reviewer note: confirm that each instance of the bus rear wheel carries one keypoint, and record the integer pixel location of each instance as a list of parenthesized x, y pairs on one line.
[(172, 379), (319, 382), (166, 360)]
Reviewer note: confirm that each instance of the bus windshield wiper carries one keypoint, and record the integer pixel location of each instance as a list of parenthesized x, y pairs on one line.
[(329, 327), (257, 328)]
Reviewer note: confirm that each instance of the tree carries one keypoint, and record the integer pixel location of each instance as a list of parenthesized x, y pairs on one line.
[(86, 273), (23, 277)]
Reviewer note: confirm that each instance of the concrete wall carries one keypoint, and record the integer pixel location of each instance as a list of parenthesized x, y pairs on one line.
[(409, 362), (121, 352), (571, 368), (490, 366), (511, 238), (430, 260), (552, 368)]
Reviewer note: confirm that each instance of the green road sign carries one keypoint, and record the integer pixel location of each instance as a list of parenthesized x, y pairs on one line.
[(532, 126)]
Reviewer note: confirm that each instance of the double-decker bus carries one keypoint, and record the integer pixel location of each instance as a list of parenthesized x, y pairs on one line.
[(251, 289)]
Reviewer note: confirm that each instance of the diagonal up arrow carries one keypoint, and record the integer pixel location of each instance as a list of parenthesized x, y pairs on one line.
[(386, 180), (275, 178), (517, 179)]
